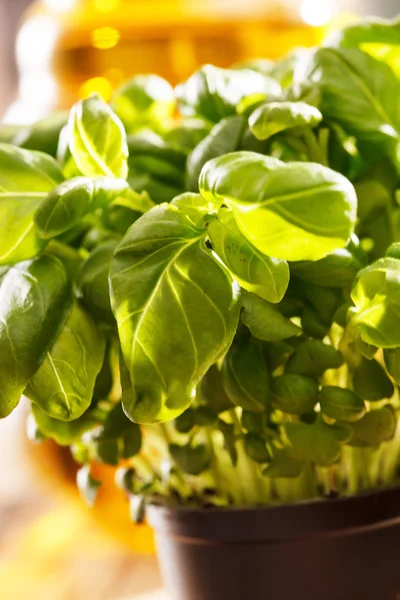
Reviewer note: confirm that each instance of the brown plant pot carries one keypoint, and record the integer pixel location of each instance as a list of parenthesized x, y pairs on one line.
[(342, 549)]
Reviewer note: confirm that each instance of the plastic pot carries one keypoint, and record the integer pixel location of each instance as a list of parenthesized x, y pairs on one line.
[(342, 549)]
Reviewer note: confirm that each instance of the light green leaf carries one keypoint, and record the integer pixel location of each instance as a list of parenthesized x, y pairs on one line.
[(194, 207), (26, 177), (267, 277), (293, 211), (265, 321), (34, 304), (376, 294), (245, 376), (68, 203), (273, 117), (214, 93), (144, 101), (224, 137), (64, 384), (177, 310), (97, 139)]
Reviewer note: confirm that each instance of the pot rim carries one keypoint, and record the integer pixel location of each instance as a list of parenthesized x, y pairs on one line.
[(277, 523)]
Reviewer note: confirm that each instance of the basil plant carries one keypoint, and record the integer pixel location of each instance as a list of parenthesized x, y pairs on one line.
[(201, 285)]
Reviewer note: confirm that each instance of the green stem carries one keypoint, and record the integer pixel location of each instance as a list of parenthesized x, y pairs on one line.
[(214, 463)]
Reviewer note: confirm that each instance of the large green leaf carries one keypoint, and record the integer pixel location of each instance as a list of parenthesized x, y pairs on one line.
[(293, 211), (294, 394), (68, 203), (26, 177), (34, 302), (272, 117), (376, 294), (64, 433), (177, 310), (368, 89), (214, 93), (97, 139), (267, 277), (376, 427), (63, 386)]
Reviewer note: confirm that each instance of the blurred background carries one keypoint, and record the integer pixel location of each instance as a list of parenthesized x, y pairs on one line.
[(52, 53)]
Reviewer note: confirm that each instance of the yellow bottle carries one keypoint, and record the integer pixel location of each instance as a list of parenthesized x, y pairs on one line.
[(69, 48)]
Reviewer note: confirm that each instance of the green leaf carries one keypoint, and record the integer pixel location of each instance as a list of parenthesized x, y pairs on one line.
[(371, 381), (312, 324), (366, 87), (34, 304), (64, 433), (92, 284), (294, 394), (283, 465), (265, 321), (256, 448), (67, 204), (171, 298), (337, 269), (115, 439), (313, 357), (253, 422), (214, 93), (212, 391), (228, 433), (392, 363), (97, 139), (190, 459), (376, 294), (223, 138), (293, 211), (194, 208), (26, 177), (245, 376), (267, 277), (318, 443), (188, 133), (341, 404), (144, 101), (376, 427), (64, 384), (42, 135), (151, 156), (273, 117)]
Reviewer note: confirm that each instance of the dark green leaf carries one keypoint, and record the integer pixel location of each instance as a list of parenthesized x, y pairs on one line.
[(371, 381), (190, 459), (376, 427), (283, 465), (256, 448), (265, 321), (213, 391), (294, 394), (223, 138), (34, 304), (341, 404), (313, 357), (318, 443), (245, 376)]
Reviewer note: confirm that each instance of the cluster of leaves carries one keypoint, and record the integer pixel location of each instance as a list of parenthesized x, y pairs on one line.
[(222, 259)]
